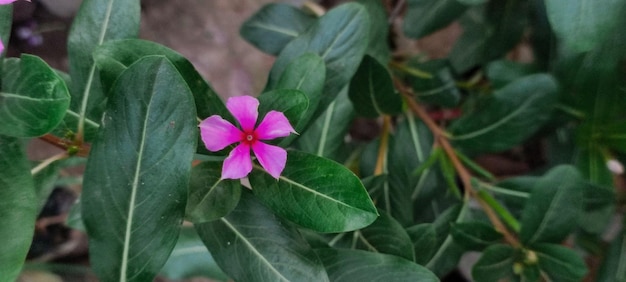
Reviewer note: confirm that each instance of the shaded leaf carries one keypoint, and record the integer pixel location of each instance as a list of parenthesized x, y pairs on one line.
[(379, 30), (613, 267), (424, 17), (424, 238), (209, 196), (553, 208), (342, 263), (440, 89), (371, 90), (315, 193), (386, 235), (34, 98), (475, 235), (292, 103), (138, 170), (495, 264), (340, 38), (190, 258), (18, 207), (503, 72), (448, 253), (252, 244), (274, 26), (560, 263), (508, 117)]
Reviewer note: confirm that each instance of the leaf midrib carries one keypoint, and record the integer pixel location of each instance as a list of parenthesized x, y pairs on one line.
[(288, 180)]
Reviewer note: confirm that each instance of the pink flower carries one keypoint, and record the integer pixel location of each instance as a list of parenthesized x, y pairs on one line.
[(4, 2), (217, 133)]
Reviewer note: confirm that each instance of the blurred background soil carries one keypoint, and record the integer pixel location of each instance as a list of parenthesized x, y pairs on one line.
[(204, 31)]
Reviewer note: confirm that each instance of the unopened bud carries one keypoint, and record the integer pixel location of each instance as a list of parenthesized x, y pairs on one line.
[(615, 166)]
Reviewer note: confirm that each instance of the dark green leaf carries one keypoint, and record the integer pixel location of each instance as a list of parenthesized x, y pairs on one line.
[(138, 172), (75, 217), (96, 22), (495, 264), (379, 30), (18, 208), (6, 19), (424, 238), (252, 244), (409, 148), (613, 135), (112, 58), (386, 235), (307, 74), (490, 31), (552, 210), (613, 267), (275, 25), (209, 196), (292, 103), (560, 263), (325, 137), (598, 208), (508, 117), (34, 98), (448, 253), (341, 265), (582, 24), (503, 72), (371, 90), (190, 258), (475, 235), (316, 193), (591, 161), (340, 38), (424, 17), (440, 89)]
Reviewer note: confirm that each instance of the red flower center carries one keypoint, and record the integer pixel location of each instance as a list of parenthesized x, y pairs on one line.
[(248, 137)]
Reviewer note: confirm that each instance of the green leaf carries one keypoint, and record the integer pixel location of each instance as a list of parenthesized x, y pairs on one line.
[(553, 208), (274, 26), (292, 103), (75, 217), (209, 196), (190, 259), (307, 74), (475, 236), (613, 135), (325, 137), (409, 148), (424, 17), (582, 24), (613, 267), (252, 244), (448, 253), (340, 37), (512, 114), (371, 90), (440, 89), (96, 22), (598, 208), (34, 98), (18, 207), (386, 235), (6, 19), (315, 193), (424, 238), (44, 182), (560, 263), (495, 264), (379, 29), (342, 263), (490, 31), (136, 179), (503, 72), (591, 161), (112, 58)]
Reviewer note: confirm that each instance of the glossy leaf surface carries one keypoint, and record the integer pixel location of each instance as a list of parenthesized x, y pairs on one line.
[(386, 235), (34, 98), (371, 90), (138, 171), (252, 244), (316, 193)]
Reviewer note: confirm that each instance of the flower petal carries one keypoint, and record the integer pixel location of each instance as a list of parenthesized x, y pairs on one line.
[(4, 2), (217, 133), (274, 125), (238, 163), (245, 110), (1, 47), (272, 158)]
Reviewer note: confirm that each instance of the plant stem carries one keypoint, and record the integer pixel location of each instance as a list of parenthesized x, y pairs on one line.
[(47, 162), (504, 214), (441, 139), (382, 148)]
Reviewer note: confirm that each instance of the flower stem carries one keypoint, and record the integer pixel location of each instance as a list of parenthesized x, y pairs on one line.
[(47, 162)]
